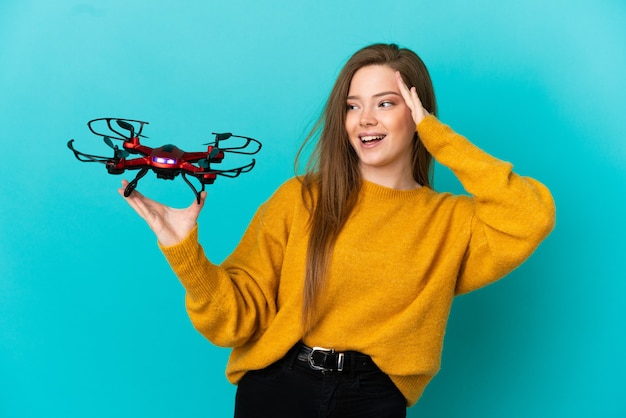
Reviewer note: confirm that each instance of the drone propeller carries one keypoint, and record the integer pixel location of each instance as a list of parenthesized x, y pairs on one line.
[(119, 153), (205, 162), (222, 136), (125, 125), (219, 137), (107, 140)]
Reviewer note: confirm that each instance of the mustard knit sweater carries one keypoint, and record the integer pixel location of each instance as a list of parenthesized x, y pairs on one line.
[(398, 262)]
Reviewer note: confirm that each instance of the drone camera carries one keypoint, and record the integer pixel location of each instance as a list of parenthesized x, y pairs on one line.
[(165, 173)]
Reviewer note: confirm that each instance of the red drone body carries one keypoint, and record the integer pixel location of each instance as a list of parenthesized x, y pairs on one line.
[(167, 161)]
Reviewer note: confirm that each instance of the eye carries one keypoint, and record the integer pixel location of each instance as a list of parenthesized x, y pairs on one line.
[(386, 103), (350, 106)]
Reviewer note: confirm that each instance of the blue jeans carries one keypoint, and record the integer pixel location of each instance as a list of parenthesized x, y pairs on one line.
[(290, 388)]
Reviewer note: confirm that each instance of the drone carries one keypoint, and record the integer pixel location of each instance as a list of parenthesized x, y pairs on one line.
[(167, 161)]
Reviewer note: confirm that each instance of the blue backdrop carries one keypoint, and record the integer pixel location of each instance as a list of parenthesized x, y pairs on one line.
[(92, 320)]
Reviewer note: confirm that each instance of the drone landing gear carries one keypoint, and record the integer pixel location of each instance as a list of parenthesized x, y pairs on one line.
[(196, 192), (133, 184)]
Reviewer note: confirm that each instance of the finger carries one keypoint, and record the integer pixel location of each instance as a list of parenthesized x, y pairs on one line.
[(416, 99), (411, 99), (136, 201), (404, 89), (409, 95), (196, 206), (122, 190)]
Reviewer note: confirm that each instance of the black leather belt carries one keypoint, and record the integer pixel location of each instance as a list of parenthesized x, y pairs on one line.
[(328, 360)]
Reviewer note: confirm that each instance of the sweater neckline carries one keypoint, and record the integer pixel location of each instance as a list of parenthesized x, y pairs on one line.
[(386, 193)]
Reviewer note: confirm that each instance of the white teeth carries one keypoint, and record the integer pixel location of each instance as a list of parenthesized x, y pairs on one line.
[(371, 138)]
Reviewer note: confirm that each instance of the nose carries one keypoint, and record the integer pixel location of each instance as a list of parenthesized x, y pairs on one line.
[(367, 118)]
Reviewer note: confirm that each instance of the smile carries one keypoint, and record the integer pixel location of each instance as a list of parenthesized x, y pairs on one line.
[(372, 138)]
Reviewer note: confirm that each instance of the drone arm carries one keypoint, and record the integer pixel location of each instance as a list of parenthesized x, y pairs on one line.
[(213, 154), (136, 163), (134, 147), (187, 167)]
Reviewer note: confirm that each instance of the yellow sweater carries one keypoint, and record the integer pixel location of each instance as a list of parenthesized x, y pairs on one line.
[(397, 264)]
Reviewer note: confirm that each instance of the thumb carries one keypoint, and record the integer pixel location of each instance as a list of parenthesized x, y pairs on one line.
[(196, 206)]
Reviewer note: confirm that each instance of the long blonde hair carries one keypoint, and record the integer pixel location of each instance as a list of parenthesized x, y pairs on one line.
[(332, 180)]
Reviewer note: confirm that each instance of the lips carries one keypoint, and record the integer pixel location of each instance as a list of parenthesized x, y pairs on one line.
[(367, 139)]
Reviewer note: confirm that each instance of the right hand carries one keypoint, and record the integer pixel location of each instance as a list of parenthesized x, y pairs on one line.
[(170, 225), (411, 99)]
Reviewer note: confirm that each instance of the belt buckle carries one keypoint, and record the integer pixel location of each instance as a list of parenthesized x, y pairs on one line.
[(325, 351)]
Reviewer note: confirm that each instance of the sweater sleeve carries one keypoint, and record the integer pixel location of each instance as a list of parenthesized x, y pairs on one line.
[(234, 302), (511, 214)]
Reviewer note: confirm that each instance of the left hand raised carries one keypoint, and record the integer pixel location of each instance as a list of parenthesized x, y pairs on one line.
[(411, 99)]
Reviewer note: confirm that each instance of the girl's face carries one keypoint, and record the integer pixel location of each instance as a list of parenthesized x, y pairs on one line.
[(381, 128)]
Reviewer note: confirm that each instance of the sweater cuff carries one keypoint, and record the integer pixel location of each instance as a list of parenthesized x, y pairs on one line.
[(452, 149), (179, 253), (194, 270), (433, 133)]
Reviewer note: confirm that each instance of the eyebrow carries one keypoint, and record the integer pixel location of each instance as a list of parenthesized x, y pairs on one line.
[(384, 93)]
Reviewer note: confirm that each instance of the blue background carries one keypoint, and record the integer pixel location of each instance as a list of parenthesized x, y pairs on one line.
[(92, 320)]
